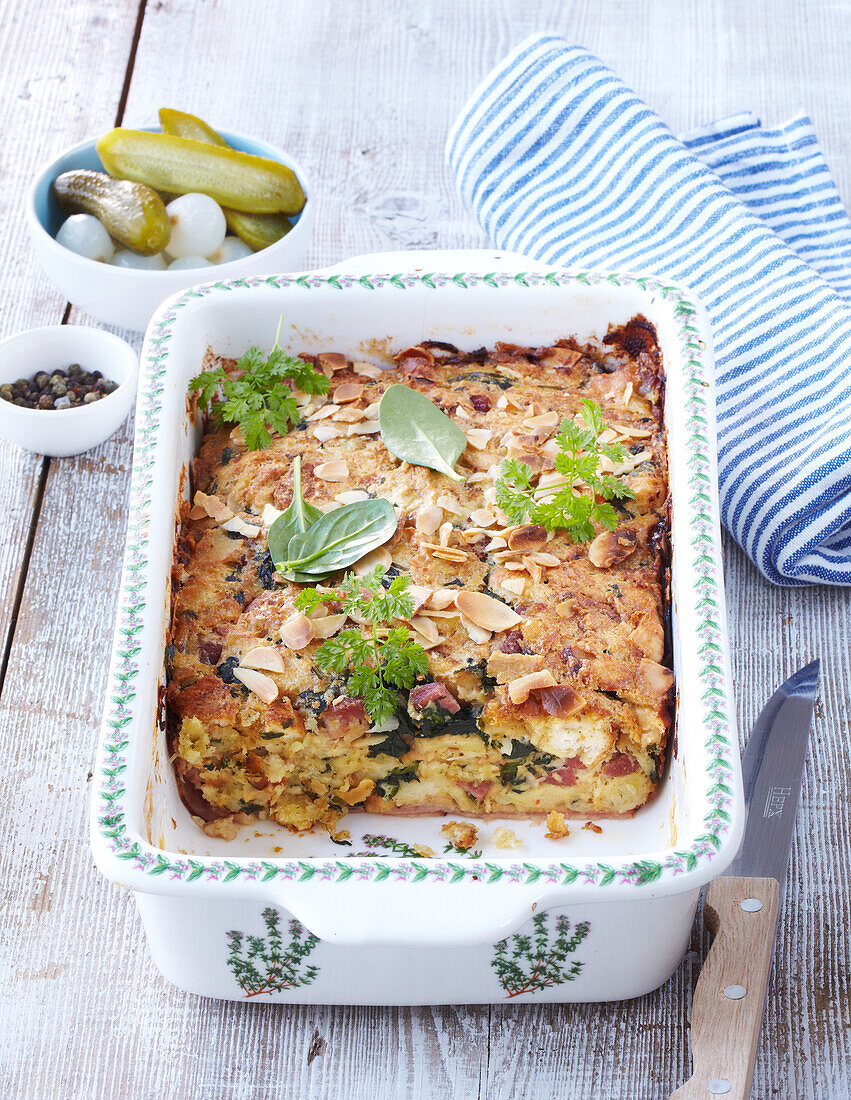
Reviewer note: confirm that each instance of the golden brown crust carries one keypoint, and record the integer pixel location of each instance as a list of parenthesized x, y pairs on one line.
[(587, 738)]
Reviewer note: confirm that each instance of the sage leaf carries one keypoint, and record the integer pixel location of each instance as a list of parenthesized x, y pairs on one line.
[(297, 519), (340, 538), (415, 430)]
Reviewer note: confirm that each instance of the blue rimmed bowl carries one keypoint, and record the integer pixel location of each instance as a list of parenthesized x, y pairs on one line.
[(128, 297)]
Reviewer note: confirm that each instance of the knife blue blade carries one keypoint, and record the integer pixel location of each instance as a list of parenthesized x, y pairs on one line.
[(772, 772)]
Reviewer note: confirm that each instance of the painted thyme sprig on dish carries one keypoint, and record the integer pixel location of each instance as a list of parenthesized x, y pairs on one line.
[(281, 969), (582, 498), (526, 964), (381, 662)]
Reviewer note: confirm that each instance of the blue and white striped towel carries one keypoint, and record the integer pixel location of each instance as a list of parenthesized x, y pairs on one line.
[(559, 160)]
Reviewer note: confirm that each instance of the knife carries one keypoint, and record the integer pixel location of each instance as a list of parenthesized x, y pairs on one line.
[(741, 906)]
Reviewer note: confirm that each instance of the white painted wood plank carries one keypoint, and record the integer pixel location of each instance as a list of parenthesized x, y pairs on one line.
[(45, 106), (363, 95)]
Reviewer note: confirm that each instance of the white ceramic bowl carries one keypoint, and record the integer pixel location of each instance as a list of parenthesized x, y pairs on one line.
[(62, 432), (127, 297)]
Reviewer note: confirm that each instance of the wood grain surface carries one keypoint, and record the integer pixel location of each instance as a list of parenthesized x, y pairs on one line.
[(362, 93)]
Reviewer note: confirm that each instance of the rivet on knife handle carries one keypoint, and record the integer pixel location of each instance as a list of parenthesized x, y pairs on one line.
[(729, 1000)]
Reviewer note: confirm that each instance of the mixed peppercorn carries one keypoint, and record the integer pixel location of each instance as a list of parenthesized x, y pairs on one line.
[(59, 389)]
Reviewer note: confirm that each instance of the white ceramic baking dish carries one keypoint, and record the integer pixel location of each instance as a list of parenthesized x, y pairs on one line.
[(277, 917)]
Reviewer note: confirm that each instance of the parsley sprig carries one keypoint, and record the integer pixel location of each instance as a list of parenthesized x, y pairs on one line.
[(259, 398), (379, 665), (582, 498)]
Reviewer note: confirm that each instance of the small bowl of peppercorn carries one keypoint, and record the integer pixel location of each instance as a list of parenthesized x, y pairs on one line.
[(65, 388)]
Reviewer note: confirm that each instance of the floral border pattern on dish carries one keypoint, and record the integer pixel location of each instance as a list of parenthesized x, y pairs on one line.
[(119, 715)]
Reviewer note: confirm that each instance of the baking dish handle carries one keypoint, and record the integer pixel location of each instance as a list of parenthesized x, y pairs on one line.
[(399, 914)]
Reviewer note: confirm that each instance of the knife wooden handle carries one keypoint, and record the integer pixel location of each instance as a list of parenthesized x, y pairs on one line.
[(729, 1000)]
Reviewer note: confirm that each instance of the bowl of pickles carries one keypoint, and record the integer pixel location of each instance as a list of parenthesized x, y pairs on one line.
[(121, 223)]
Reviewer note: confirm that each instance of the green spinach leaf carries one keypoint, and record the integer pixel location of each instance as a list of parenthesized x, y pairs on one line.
[(415, 430), (339, 538), (298, 518)]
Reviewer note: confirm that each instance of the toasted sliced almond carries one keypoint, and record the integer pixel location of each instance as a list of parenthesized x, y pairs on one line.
[(349, 414), (549, 561), (482, 517), (197, 512), (514, 400), (365, 427), (381, 556), (478, 477), (368, 370), (429, 518), (514, 566), (502, 402), (627, 394), (612, 547), (450, 503), (477, 633), (442, 597), (529, 536), (517, 585), (520, 689), (479, 437), (324, 411), (351, 496), (237, 436), (425, 626), (503, 556), (547, 421), (432, 613), (325, 626), (419, 594), (332, 360), (534, 570), (348, 391), (264, 687), (632, 433), (371, 410), (471, 534), (264, 657), (509, 666), (444, 533), (486, 612), (466, 414), (214, 507), (332, 471), (428, 643), (546, 480), (302, 398), (325, 431), (297, 631), (496, 543), (239, 527), (269, 514), (446, 553)]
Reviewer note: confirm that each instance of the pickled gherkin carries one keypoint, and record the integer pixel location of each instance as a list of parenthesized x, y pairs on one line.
[(184, 125), (169, 163), (256, 230), (130, 212)]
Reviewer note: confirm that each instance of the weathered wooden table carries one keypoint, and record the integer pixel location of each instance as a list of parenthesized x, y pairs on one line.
[(362, 93)]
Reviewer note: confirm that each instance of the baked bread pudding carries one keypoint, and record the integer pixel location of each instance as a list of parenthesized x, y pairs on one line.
[(538, 676)]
